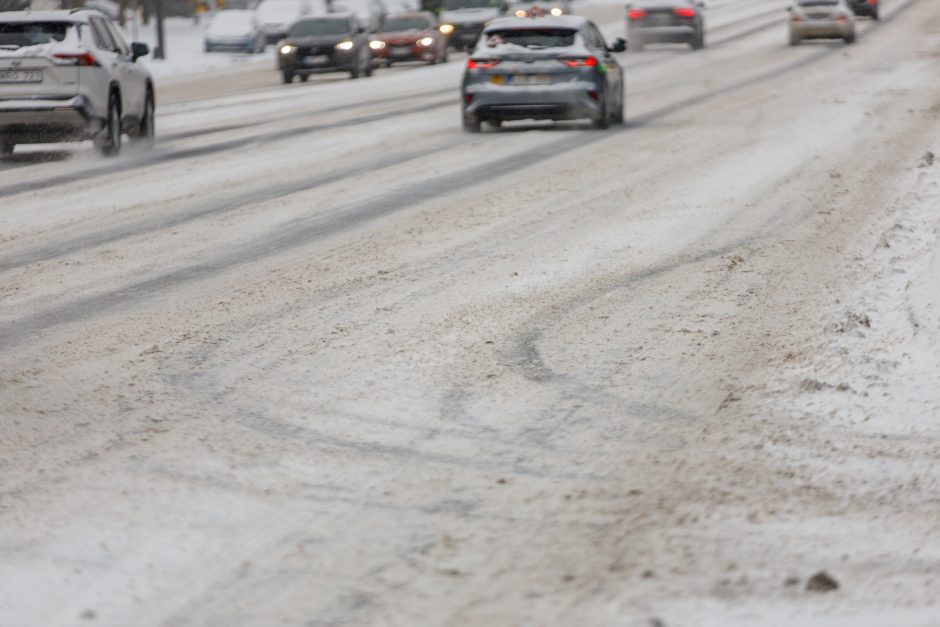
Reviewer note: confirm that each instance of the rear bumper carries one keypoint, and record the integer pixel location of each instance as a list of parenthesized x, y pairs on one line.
[(561, 101), (664, 34), (239, 45), (825, 30), (38, 121)]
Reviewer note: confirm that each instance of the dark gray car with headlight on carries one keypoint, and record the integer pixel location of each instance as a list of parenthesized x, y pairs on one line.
[(542, 68)]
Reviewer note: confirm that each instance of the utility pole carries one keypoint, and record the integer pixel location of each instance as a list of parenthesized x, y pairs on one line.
[(160, 52)]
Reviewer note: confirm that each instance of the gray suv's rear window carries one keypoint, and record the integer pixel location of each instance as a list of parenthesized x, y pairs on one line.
[(18, 34), (531, 37)]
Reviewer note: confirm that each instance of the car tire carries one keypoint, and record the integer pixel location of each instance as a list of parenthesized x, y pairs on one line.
[(147, 129), (794, 40), (698, 42), (471, 123), (616, 116), (6, 148), (303, 77), (849, 39), (874, 15), (602, 120), (368, 66), (110, 144), (495, 123), (287, 77)]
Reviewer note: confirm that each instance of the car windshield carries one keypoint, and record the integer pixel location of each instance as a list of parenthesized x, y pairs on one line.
[(452, 5), (397, 24), (18, 34), (308, 28), (531, 37)]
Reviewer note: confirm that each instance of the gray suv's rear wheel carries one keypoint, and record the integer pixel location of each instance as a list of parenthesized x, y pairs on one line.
[(6, 147)]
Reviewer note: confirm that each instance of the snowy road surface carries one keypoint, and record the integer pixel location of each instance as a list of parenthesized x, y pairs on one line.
[(323, 359)]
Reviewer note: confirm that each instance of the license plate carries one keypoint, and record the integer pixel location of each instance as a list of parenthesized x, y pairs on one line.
[(320, 59), (659, 20), (402, 51), (529, 79), (20, 76)]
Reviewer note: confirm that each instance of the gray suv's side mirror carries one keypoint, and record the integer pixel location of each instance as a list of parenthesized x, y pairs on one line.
[(138, 50), (619, 45)]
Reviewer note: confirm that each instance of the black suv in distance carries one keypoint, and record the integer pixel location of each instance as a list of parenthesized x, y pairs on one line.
[(865, 7), (328, 43)]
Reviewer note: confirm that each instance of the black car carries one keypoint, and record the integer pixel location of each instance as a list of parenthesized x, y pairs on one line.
[(329, 43), (665, 21), (865, 7)]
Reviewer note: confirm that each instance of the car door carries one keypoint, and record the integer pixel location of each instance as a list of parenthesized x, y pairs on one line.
[(115, 63), (612, 71), (135, 74)]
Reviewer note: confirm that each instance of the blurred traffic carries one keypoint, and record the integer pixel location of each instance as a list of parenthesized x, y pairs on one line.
[(71, 75)]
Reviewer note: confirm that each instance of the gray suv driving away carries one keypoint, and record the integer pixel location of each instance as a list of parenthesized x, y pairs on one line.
[(71, 76), (542, 68)]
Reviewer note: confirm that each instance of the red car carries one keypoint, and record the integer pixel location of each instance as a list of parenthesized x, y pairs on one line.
[(409, 37)]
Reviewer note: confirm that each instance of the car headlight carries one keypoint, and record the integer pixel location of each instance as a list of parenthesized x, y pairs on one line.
[(376, 44), (556, 11), (345, 45), (288, 49), (427, 41), (520, 13), (447, 29)]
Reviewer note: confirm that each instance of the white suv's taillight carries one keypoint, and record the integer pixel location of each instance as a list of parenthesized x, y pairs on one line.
[(75, 58)]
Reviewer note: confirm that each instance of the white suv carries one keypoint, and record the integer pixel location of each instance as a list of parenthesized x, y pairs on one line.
[(70, 76)]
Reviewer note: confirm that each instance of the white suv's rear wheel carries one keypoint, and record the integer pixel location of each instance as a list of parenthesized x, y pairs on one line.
[(146, 131), (110, 144)]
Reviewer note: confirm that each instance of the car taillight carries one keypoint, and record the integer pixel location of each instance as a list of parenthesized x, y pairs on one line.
[(579, 61), (636, 14), (76, 58), (796, 18), (842, 17), (684, 12), (481, 64), (872, 1)]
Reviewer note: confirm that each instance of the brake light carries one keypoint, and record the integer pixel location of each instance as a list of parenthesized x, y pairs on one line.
[(796, 18), (76, 58), (481, 64), (872, 1), (579, 61), (841, 17), (684, 12), (636, 14)]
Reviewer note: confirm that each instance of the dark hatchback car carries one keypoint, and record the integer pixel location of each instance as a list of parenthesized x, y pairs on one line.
[(867, 8), (316, 45), (665, 21)]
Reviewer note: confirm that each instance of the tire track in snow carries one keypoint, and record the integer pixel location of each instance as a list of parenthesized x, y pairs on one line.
[(344, 218)]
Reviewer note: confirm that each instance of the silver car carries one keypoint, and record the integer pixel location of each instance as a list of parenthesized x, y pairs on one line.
[(554, 68), (530, 8), (70, 76), (821, 19), (665, 21)]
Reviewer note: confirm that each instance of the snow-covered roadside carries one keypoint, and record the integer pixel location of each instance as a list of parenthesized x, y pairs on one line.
[(857, 407), (184, 49), (877, 364)]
